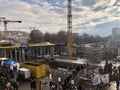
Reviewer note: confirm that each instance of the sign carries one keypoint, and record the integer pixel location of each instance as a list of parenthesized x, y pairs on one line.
[(96, 80), (72, 82), (105, 78), (50, 76), (59, 79)]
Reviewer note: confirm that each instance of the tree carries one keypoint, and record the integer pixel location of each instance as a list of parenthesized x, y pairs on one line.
[(76, 38), (53, 38), (61, 37), (35, 36), (47, 37)]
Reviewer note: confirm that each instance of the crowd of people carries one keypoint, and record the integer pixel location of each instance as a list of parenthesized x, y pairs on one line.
[(71, 80), (8, 78), (65, 83), (52, 86)]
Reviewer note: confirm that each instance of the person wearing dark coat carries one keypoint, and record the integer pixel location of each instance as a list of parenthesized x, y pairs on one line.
[(50, 84), (33, 84), (15, 85), (117, 84), (40, 86)]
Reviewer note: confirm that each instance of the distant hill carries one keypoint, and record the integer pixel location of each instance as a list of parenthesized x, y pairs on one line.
[(16, 37)]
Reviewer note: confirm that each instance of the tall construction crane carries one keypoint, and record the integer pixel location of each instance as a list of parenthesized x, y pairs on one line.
[(5, 22), (69, 29)]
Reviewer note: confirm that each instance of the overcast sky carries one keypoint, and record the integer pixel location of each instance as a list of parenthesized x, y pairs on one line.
[(89, 16)]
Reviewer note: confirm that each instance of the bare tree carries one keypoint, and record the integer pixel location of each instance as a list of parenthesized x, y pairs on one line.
[(47, 37), (61, 37), (35, 36)]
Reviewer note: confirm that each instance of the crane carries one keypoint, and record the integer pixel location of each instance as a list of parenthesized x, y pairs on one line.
[(69, 29), (5, 22)]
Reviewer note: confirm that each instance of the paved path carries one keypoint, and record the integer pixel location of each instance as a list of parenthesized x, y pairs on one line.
[(112, 86), (25, 85)]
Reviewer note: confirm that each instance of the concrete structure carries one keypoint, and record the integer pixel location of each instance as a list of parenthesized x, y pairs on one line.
[(96, 52), (119, 51), (32, 51), (116, 36), (17, 37), (116, 39)]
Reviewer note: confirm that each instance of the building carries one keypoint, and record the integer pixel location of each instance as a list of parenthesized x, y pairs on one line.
[(96, 52), (115, 37), (32, 51)]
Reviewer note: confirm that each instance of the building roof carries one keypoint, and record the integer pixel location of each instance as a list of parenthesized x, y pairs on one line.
[(42, 44), (30, 45)]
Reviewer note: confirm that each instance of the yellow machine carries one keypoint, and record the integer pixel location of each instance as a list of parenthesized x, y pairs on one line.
[(37, 70)]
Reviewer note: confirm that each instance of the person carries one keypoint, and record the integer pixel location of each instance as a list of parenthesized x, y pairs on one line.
[(119, 69), (15, 85), (117, 84), (50, 84), (64, 85), (87, 66), (33, 84), (75, 88), (55, 86), (79, 87), (40, 86), (8, 86)]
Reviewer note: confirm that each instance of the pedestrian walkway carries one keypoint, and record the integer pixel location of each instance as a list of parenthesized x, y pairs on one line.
[(25, 84), (111, 87)]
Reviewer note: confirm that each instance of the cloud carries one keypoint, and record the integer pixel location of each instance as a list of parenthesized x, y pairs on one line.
[(104, 3), (41, 17), (51, 15), (98, 12), (88, 2)]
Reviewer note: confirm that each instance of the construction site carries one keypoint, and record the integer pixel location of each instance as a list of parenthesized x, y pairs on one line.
[(56, 66)]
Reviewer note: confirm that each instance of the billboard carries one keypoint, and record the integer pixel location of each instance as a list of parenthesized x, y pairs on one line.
[(100, 79)]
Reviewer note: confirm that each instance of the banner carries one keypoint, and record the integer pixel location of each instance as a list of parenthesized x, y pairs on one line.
[(100, 79), (96, 80), (105, 78)]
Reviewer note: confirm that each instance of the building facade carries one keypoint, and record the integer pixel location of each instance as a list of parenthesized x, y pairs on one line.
[(32, 51), (115, 37)]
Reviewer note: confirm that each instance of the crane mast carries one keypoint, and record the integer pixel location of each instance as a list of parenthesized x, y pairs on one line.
[(5, 22), (69, 29)]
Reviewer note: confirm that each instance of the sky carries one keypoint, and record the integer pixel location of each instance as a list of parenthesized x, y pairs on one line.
[(96, 17)]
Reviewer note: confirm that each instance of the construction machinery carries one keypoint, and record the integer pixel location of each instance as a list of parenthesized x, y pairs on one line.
[(69, 29), (5, 22)]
